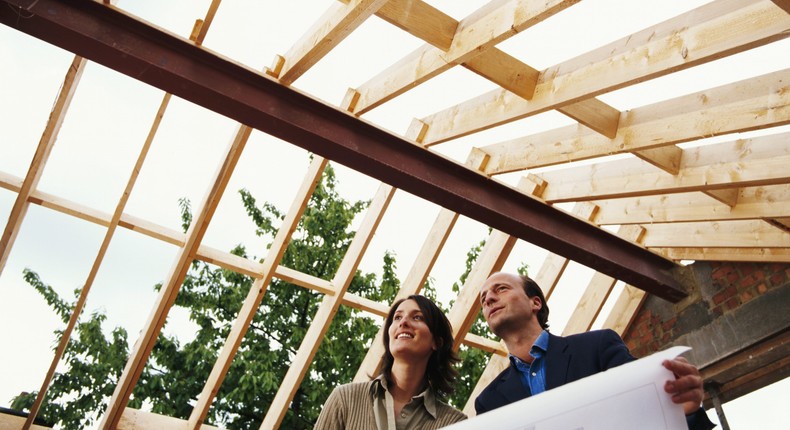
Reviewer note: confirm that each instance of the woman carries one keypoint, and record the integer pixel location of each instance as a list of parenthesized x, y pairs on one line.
[(417, 375)]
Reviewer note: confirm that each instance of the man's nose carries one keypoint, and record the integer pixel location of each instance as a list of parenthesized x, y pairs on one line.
[(490, 298)]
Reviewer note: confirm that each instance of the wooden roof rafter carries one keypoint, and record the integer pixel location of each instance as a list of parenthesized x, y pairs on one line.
[(674, 45), (723, 110), (759, 161), (753, 203), (684, 202)]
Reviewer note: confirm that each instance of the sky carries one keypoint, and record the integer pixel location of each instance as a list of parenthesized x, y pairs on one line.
[(109, 119)]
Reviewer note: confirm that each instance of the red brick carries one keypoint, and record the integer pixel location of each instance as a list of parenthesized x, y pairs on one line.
[(778, 279), (667, 326), (748, 281), (762, 288), (746, 296), (747, 269), (724, 295), (733, 303)]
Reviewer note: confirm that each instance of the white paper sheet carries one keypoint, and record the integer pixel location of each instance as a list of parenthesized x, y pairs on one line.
[(630, 396)]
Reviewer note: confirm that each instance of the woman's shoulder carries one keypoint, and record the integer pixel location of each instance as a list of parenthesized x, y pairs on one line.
[(353, 389), (449, 414)]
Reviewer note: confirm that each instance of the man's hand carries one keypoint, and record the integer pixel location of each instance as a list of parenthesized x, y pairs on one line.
[(686, 389)]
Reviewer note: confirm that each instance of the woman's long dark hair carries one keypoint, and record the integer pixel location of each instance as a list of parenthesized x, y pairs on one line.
[(440, 372)]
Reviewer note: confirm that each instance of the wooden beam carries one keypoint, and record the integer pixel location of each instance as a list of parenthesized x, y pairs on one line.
[(497, 248), (418, 274), (784, 4), (624, 310), (475, 36), (782, 223), (754, 254), (594, 297), (65, 336), (496, 364), (485, 344), (467, 305), (249, 97), (327, 309), (135, 419), (728, 196), (547, 278), (666, 158), (759, 161), (421, 20), (676, 44), (170, 287), (36, 169), (504, 70), (13, 422), (728, 234), (752, 203), (595, 114), (473, 47), (726, 109), (223, 259), (554, 265), (206, 22), (340, 20), (254, 297), (420, 269)]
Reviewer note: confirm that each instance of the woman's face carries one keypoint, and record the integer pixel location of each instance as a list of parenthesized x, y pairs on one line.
[(410, 337)]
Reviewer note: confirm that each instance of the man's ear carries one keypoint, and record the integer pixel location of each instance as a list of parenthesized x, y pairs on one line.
[(536, 303)]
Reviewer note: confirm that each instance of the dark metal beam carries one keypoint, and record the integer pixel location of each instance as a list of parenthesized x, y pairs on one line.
[(108, 36)]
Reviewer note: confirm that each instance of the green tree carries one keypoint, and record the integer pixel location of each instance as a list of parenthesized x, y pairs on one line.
[(176, 370)]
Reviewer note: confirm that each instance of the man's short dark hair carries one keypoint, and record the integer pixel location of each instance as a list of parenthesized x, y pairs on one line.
[(533, 290)]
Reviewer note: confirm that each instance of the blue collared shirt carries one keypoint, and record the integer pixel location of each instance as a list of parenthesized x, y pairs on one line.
[(533, 375)]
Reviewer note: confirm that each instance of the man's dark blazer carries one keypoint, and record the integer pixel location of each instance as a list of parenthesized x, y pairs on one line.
[(569, 359)]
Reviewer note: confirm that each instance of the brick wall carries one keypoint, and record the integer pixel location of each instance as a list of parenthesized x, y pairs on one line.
[(723, 288)]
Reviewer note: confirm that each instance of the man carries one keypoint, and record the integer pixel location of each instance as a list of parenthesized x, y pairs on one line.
[(515, 309)]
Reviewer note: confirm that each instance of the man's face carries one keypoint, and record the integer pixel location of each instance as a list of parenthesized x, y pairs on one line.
[(505, 304)]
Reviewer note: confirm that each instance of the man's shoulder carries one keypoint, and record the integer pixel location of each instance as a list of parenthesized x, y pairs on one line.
[(497, 380), (589, 336)]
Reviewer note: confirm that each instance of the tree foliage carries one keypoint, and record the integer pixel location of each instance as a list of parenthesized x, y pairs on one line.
[(177, 369)]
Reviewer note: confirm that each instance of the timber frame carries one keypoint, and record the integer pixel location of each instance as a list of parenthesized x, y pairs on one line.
[(672, 202)]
